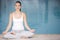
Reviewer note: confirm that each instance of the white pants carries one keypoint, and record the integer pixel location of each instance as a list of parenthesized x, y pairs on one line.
[(19, 34)]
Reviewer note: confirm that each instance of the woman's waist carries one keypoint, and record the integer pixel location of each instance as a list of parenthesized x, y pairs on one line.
[(17, 24), (19, 27), (17, 30)]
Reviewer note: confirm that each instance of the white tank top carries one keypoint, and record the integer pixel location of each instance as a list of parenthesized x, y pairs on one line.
[(18, 23)]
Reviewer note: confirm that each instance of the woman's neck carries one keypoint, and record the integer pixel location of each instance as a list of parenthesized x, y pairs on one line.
[(18, 11)]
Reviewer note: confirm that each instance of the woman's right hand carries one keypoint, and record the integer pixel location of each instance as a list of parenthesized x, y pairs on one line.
[(4, 32)]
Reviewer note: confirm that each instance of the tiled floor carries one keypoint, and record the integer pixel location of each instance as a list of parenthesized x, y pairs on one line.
[(40, 37)]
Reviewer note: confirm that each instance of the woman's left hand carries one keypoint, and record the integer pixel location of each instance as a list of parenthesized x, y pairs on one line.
[(32, 30)]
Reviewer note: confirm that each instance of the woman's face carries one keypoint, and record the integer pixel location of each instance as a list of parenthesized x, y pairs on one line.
[(17, 6)]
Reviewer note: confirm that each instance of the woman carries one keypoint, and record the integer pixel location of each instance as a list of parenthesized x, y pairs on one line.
[(18, 18)]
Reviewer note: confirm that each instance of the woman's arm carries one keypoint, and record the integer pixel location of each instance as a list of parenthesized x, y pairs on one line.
[(26, 25), (25, 22), (9, 24)]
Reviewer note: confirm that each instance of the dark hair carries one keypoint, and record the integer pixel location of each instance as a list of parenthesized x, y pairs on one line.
[(19, 3)]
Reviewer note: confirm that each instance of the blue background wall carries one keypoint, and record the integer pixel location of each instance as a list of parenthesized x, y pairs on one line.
[(42, 15)]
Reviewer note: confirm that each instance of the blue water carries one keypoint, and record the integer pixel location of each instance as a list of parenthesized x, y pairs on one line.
[(42, 15)]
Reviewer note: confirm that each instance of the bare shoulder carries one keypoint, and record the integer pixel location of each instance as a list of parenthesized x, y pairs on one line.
[(11, 14), (24, 14)]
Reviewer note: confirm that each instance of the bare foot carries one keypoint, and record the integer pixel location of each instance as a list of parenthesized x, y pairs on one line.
[(13, 33)]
